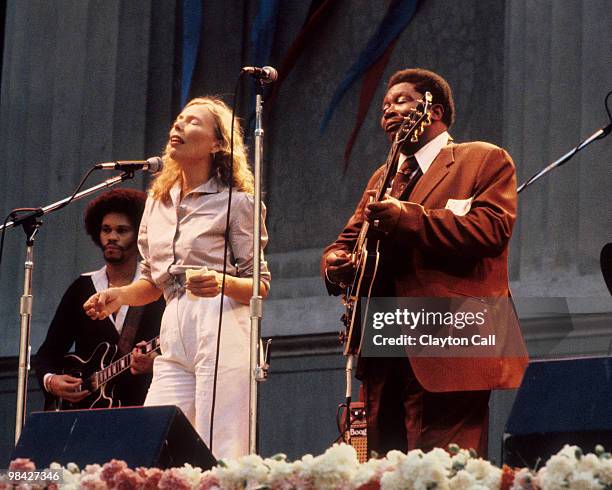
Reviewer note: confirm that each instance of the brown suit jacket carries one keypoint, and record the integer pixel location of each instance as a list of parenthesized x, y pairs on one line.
[(436, 253)]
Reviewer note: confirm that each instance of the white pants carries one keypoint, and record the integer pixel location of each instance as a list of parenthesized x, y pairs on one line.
[(183, 373)]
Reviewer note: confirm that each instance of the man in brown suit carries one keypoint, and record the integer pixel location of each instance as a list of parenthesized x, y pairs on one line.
[(446, 226)]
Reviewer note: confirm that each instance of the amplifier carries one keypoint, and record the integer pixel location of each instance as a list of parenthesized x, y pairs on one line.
[(357, 435)]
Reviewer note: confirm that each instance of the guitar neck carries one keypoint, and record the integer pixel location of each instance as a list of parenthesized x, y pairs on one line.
[(391, 164), (122, 364)]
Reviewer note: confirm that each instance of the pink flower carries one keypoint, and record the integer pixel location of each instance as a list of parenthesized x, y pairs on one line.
[(91, 482), (151, 477), (209, 482), (22, 464), (128, 479), (110, 469), (299, 481), (173, 480)]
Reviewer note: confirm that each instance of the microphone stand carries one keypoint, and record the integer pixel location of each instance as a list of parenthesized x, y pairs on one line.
[(258, 359), (31, 223), (599, 134)]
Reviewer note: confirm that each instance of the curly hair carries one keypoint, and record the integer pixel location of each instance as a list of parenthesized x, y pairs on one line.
[(425, 80), (128, 202), (242, 176)]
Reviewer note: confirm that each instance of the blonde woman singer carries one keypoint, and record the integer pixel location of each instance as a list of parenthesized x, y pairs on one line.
[(183, 228)]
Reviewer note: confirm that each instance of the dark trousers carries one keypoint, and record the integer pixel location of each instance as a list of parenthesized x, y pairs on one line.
[(403, 415)]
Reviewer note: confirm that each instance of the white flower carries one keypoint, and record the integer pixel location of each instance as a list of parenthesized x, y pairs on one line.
[(410, 465), (560, 466), (192, 473), (92, 469), (605, 471), (367, 471), (392, 480), (429, 472), (73, 468), (583, 480), (488, 476), (247, 469), (281, 472), (91, 480), (548, 481), (69, 477), (459, 460), (442, 456), (396, 457), (590, 463), (522, 479), (332, 469), (462, 481), (569, 451)]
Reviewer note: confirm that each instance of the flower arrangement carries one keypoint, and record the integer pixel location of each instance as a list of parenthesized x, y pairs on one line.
[(338, 468)]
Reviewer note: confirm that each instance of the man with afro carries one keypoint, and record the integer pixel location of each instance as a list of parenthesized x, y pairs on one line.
[(112, 221)]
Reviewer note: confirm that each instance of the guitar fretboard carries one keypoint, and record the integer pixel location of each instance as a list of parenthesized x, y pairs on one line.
[(120, 365)]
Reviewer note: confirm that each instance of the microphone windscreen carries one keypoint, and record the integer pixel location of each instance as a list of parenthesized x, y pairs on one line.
[(155, 164)]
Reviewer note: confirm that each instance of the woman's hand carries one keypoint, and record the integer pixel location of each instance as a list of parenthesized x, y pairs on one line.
[(102, 305), (207, 284)]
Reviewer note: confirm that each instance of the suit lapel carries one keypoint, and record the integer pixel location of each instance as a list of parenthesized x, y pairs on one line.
[(434, 175)]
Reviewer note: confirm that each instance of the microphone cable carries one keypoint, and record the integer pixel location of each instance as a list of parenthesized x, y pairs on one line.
[(225, 247)]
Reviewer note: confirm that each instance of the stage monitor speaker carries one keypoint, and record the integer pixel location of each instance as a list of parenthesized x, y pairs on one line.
[(560, 402), (141, 436)]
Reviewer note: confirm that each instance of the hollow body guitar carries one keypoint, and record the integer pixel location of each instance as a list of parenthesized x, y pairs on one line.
[(98, 373), (366, 253)]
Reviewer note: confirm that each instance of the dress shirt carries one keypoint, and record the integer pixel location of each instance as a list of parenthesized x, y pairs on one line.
[(100, 282), (428, 153), (176, 235)]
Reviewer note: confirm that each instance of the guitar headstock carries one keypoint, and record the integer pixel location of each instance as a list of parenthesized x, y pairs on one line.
[(415, 123)]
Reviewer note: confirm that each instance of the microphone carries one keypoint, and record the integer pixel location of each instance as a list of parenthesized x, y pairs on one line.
[(153, 164), (267, 74)]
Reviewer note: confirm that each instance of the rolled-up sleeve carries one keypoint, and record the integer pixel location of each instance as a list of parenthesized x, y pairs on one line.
[(241, 237)]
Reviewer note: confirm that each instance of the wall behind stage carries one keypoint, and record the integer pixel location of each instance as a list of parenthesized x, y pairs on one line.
[(82, 82), (530, 78), (86, 81)]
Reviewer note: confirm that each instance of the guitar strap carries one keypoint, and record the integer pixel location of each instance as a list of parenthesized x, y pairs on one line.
[(130, 327)]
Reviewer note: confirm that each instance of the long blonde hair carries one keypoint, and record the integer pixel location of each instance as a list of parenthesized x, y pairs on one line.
[(221, 164)]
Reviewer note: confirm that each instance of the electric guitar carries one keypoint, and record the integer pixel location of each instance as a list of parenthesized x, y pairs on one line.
[(366, 253), (97, 374)]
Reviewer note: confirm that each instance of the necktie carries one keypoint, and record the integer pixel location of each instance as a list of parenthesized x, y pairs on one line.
[(406, 178)]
